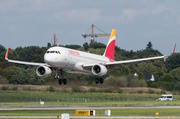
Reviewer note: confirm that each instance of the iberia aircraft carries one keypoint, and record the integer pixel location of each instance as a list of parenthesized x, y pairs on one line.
[(74, 61)]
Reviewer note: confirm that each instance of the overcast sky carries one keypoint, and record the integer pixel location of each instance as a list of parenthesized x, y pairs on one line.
[(33, 22)]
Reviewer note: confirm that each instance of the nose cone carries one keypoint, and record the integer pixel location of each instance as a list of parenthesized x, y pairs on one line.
[(47, 59)]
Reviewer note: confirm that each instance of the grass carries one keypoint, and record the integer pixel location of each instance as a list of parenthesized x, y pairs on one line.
[(85, 98), (111, 103), (99, 112)]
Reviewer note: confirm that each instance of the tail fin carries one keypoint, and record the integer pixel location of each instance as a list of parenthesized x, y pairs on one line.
[(109, 52)]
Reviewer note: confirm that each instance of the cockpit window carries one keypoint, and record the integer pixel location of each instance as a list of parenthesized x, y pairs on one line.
[(53, 52)]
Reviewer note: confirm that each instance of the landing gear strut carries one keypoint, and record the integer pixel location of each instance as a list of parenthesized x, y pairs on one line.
[(97, 80), (61, 80)]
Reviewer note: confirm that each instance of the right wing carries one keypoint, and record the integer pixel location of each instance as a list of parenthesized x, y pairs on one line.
[(126, 62), (23, 62)]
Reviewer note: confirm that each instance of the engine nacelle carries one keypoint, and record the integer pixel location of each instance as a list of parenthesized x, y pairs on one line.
[(99, 70), (43, 71)]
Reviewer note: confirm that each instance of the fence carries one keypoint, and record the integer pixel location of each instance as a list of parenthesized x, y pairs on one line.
[(78, 98)]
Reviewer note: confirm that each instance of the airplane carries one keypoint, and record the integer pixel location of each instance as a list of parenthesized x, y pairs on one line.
[(73, 61)]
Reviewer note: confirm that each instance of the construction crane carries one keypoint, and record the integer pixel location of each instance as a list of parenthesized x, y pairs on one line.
[(92, 35)]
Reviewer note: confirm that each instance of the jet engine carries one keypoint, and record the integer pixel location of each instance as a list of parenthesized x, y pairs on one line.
[(99, 70), (43, 71)]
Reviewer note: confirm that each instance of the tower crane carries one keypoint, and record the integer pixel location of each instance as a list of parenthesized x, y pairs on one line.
[(92, 35)]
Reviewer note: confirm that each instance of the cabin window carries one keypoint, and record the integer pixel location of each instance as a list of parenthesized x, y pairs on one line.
[(53, 52)]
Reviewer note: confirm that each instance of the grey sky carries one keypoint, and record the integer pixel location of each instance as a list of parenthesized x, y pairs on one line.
[(33, 22)]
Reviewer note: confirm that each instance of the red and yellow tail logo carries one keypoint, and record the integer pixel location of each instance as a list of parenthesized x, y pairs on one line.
[(109, 52)]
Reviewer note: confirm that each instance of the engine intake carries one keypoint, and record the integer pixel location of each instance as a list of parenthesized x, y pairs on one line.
[(99, 70), (43, 71)]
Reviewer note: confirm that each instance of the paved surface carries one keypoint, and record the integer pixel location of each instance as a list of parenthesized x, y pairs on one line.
[(55, 107), (89, 117)]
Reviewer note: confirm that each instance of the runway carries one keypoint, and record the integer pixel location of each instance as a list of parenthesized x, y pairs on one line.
[(55, 107), (91, 117), (80, 107)]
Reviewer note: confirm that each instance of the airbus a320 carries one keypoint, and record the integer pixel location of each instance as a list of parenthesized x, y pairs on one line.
[(74, 61)]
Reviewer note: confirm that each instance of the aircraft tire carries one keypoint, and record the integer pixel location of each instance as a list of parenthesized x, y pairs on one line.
[(64, 81), (60, 81), (101, 80), (97, 80)]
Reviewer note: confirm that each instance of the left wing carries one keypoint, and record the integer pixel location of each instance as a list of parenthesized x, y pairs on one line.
[(22, 62)]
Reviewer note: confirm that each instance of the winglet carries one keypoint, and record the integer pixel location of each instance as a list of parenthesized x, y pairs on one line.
[(174, 48), (7, 52)]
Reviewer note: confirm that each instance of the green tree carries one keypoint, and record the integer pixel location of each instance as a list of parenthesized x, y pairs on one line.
[(160, 64), (177, 87), (48, 45), (175, 72), (168, 78), (18, 75), (126, 70), (141, 76), (73, 46), (3, 80), (176, 78), (97, 45), (37, 58), (162, 75), (173, 62), (6, 74), (33, 78), (148, 68), (86, 46), (149, 46), (157, 78), (27, 53), (2, 49)]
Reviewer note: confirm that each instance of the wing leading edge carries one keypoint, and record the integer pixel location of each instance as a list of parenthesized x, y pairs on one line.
[(23, 62)]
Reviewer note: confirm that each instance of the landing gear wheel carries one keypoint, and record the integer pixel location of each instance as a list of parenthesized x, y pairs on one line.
[(101, 80), (97, 80), (64, 81), (60, 81)]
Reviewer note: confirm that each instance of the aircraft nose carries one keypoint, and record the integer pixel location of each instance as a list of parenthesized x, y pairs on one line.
[(47, 59)]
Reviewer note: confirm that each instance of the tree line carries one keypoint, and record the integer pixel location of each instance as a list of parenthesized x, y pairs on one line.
[(166, 72)]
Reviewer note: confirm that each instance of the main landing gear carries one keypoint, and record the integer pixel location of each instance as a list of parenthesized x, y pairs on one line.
[(61, 81), (99, 80)]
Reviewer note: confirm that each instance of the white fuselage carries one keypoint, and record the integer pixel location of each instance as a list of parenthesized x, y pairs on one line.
[(72, 60)]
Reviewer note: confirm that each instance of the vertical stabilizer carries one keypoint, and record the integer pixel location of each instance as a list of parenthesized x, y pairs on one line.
[(109, 52)]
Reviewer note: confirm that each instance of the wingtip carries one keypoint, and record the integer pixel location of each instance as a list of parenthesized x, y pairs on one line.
[(7, 53), (174, 48)]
